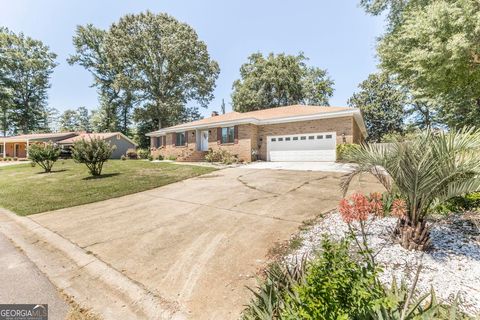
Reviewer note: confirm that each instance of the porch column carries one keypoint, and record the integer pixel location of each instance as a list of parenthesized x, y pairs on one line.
[(4, 149), (198, 140), (28, 146)]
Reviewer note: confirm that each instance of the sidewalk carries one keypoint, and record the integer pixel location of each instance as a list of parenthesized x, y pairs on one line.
[(22, 283)]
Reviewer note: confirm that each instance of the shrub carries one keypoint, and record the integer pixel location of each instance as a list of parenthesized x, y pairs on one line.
[(123, 158), (341, 284), (400, 137), (345, 148), (143, 153), (172, 158), (132, 154), (93, 153), (220, 155), (160, 157), (15, 159), (468, 202), (336, 287), (150, 157), (45, 155), (254, 154)]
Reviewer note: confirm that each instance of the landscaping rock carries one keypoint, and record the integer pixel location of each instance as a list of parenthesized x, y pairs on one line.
[(452, 267)]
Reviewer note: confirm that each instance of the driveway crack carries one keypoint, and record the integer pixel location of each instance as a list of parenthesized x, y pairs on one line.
[(230, 210)]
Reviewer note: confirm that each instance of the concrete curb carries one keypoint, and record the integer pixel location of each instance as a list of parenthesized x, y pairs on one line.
[(89, 280)]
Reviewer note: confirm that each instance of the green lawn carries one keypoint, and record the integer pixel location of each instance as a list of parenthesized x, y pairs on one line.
[(27, 190)]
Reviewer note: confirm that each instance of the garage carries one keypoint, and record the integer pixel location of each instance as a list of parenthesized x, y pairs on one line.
[(302, 147)]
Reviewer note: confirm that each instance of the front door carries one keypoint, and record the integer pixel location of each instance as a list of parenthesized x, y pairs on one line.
[(204, 141)]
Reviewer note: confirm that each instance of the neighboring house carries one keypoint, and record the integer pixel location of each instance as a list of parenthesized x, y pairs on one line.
[(17, 146), (121, 142), (292, 133)]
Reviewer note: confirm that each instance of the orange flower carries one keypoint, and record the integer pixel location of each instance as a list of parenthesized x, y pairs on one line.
[(399, 208), (346, 211), (376, 205), (359, 207)]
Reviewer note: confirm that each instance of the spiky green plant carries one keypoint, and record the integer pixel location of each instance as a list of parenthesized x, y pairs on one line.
[(427, 170), (268, 297)]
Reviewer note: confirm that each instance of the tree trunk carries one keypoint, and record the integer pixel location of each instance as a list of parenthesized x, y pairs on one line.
[(411, 236)]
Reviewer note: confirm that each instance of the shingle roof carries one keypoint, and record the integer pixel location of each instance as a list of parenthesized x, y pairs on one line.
[(266, 114), (39, 136), (88, 137)]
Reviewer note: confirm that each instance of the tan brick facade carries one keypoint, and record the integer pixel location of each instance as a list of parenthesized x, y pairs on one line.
[(344, 128), (252, 137)]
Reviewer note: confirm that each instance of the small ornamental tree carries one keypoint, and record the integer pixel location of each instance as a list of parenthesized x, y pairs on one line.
[(93, 153), (425, 172), (45, 155)]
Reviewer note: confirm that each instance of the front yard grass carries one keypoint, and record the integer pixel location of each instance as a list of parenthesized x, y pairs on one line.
[(26, 190)]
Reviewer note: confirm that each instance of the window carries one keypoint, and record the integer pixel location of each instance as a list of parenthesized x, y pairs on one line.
[(228, 135), (180, 139), (319, 137), (328, 136), (303, 138), (295, 138), (1, 150), (274, 139), (287, 139), (159, 141), (280, 139), (311, 137)]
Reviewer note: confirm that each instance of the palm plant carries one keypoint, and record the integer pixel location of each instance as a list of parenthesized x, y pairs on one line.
[(425, 171)]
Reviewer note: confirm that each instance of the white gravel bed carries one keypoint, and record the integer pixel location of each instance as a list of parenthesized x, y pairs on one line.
[(452, 267)]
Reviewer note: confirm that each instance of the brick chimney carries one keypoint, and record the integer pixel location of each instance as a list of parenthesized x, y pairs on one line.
[(214, 113)]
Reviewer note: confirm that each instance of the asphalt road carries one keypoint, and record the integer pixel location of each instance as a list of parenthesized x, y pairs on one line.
[(22, 283)]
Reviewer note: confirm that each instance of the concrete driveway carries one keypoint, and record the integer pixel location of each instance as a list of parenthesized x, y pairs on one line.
[(199, 242), (302, 166)]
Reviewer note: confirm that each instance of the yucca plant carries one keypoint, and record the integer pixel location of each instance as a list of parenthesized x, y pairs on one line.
[(425, 171), (268, 300)]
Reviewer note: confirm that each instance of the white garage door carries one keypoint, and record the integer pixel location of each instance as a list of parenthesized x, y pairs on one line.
[(302, 147)]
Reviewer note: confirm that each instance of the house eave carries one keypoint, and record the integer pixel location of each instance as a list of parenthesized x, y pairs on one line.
[(325, 115)]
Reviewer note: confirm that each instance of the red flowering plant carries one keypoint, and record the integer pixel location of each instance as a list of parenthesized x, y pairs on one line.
[(356, 211)]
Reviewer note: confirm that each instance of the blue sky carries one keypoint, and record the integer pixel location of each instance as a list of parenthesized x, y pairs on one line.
[(335, 35)]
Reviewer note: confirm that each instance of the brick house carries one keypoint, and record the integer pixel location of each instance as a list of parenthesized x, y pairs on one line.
[(291, 133)]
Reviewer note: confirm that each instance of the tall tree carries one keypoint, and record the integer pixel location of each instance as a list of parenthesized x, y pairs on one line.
[(163, 62), (432, 49), (279, 80), (382, 104), (26, 65), (5, 107), (75, 120), (68, 121), (116, 101), (394, 8), (83, 117)]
